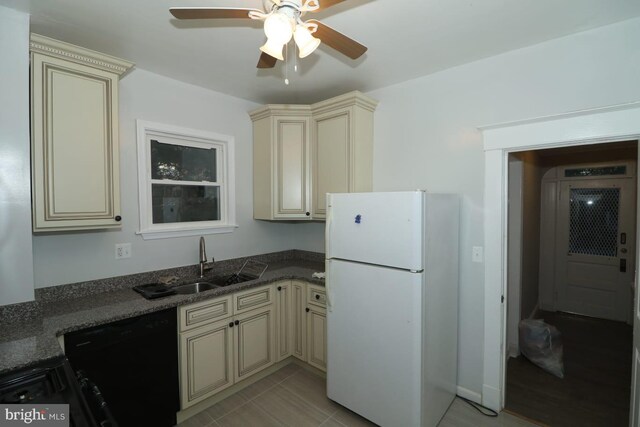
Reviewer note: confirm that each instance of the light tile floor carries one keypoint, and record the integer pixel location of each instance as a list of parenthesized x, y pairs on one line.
[(293, 396)]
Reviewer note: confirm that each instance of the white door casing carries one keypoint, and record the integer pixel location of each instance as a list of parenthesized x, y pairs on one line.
[(594, 262), (610, 124)]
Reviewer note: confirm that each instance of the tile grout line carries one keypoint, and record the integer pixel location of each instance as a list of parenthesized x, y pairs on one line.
[(331, 414), (250, 400), (257, 406)]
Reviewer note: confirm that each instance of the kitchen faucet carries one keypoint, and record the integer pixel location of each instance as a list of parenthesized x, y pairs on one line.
[(203, 258)]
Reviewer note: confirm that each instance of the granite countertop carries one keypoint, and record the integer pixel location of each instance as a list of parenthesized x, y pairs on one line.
[(31, 336)]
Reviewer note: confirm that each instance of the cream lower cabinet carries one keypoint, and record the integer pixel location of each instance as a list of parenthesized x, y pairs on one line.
[(206, 365), (254, 338), (74, 137), (299, 322), (223, 341), (284, 320), (316, 327), (226, 340), (291, 297)]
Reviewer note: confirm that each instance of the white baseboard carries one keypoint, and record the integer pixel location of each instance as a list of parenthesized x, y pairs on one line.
[(468, 394), (514, 350), (491, 397)]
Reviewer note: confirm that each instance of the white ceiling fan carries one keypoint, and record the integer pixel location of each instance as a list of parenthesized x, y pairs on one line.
[(282, 22)]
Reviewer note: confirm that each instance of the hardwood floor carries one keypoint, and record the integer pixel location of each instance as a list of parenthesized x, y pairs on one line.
[(293, 396), (596, 388)]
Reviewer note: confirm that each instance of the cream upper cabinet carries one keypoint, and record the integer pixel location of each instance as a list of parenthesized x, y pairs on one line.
[(281, 173), (342, 148), (302, 152), (74, 137)]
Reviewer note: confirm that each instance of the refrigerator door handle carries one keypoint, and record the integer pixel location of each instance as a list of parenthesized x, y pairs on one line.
[(329, 297), (328, 227)]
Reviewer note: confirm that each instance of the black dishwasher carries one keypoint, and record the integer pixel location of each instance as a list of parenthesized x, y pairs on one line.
[(134, 363)]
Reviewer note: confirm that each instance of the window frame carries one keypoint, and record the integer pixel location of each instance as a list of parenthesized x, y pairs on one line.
[(225, 179)]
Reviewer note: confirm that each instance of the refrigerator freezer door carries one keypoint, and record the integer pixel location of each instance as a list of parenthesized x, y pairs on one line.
[(374, 341), (376, 228)]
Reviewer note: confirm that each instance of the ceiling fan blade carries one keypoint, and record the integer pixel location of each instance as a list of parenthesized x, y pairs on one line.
[(266, 61), (324, 4), (338, 41), (211, 12)]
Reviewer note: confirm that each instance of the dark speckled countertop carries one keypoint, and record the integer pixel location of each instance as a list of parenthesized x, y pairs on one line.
[(28, 333)]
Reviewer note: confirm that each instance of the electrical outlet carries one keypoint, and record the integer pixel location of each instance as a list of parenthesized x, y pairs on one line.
[(477, 254), (123, 250)]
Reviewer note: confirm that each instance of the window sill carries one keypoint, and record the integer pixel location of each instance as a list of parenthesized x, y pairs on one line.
[(185, 232)]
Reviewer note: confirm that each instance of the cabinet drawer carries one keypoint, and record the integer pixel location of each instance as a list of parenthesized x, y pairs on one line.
[(252, 298), (316, 295), (200, 313)]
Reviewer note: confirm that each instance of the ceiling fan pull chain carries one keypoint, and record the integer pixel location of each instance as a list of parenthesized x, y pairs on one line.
[(286, 62)]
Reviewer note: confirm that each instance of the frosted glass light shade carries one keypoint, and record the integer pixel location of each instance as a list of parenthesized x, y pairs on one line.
[(278, 28), (273, 48), (305, 41)]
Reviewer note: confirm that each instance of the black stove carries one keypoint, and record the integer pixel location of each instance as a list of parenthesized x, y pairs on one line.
[(50, 382)]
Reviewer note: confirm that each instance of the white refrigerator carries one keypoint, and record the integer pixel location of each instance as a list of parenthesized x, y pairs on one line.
[(392, 304)]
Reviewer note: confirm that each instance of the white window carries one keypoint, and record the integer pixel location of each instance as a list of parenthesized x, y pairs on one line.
[(186, 181)]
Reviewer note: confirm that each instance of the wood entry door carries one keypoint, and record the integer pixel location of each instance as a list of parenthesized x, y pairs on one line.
[(595, 250)]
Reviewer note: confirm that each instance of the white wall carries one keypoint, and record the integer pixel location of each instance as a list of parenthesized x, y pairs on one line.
[(73, 257), (426, 134), (16, 258)]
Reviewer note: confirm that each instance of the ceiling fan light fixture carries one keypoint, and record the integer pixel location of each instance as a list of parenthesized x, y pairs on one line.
[(278, 28), (305, 41), (273, 48)]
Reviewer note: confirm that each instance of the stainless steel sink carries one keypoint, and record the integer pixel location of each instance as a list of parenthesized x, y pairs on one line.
[(230, 279), (194, 288)]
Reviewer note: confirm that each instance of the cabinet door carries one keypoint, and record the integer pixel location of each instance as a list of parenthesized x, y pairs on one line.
[(292, 159), (284, 320), (254, 346), (331, 156), (299, 328), (205, 362), (317, 337), (75, 157)]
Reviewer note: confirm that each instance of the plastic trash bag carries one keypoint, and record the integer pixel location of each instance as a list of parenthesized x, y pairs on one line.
[(541, 343)]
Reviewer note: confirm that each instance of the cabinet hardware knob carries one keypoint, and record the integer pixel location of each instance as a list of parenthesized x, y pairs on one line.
[(317, 296), (308, 213), (237, 322), (307, 309), (118, 218), (279, 288), (231, 324)]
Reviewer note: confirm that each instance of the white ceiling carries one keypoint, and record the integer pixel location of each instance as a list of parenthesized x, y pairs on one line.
[(406, 39)]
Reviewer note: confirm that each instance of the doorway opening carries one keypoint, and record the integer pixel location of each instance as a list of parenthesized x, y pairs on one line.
[(571, 227)]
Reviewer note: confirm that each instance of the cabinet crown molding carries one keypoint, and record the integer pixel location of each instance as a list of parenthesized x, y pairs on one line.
[(349, 99), (77, 54), (280, 109)]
